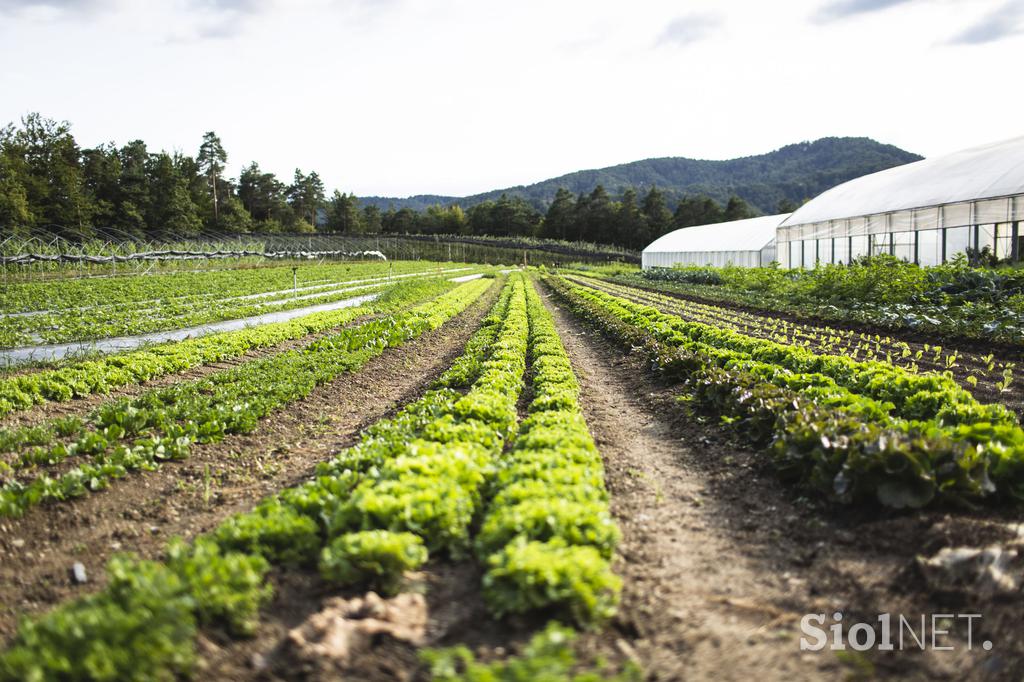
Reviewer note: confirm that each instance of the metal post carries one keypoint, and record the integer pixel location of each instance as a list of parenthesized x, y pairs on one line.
[(1014, 241)]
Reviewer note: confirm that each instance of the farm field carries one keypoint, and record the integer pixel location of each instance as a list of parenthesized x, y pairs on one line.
[(493, 473), (952, 302)]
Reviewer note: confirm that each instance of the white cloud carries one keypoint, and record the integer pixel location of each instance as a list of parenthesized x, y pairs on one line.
[(460, 96), (835, 10), (689, 29), (1005, 21)]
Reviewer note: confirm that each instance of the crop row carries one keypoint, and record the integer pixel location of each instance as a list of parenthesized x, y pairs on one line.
[(976, 369), (104, 322), (83, 378), (162, 424), (547, 536), (70, 325), (850, 429), (953, 299), (136, 290), (416, 485), (913, 395)]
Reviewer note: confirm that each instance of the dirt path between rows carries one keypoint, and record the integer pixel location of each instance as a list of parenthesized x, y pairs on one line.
[(720, 561), (141, 512)]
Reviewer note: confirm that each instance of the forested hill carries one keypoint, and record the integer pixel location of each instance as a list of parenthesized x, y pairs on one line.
[(796, 172)]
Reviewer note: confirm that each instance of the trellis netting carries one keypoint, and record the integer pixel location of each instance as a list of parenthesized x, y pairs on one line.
[(24, 259)]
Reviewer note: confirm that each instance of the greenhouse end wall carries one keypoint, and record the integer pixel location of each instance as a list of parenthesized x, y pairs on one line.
[(927, 236), (745, 259)]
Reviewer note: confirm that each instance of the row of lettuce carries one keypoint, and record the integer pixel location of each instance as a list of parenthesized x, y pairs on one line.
[(955, 299), (163, 423), (85, 322), (133, 290), (452, 475), (852, 430), (83, 378), (984, 373)]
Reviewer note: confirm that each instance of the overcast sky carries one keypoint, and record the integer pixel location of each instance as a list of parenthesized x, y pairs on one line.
[(400, 97)]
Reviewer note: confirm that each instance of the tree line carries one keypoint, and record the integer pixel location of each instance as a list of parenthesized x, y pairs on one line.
[(51, 186)]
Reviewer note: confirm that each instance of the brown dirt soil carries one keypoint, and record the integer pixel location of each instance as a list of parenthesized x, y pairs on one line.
[(720, 561), (141, 512), (456, 615)]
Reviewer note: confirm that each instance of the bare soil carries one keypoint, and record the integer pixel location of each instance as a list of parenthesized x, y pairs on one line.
[(141, 512)]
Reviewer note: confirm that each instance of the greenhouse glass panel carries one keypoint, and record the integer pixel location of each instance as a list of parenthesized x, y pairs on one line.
[(956, 215), (858, 247), (992, 211), (929, 247), (902, 221), (877, 224), (1004, 240), (881, 244), (926, 218), (842, 250), (903, 246), (825, 250), (858, 226), (795, 257), (957, 241), (987, 238), (810, 253)]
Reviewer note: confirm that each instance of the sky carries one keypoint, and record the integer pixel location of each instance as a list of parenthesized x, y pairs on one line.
[(454, 97)]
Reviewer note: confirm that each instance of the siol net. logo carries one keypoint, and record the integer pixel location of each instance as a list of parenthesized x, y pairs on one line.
[(936, 631)]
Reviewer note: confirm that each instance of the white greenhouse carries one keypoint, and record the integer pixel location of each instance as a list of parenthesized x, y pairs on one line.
[(747, 243), (924, 212)]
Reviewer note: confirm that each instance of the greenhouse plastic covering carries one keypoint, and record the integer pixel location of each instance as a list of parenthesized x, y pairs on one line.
[(752, 234), (988, 171)]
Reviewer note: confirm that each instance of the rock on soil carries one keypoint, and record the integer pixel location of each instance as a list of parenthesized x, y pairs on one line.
[(345, 628)]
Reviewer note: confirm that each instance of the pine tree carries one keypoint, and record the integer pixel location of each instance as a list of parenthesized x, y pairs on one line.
[(211, 160), (558, 223)]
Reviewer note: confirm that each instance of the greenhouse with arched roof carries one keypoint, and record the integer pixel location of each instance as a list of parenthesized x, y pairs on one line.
[(924, 212), (746, 243)]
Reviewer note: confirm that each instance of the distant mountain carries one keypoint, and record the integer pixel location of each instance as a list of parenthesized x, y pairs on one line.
[(796, 172)]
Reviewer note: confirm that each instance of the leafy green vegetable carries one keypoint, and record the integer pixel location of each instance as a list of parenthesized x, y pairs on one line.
[(228, 588), (139, 628), (376, 558), (548, 657)]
